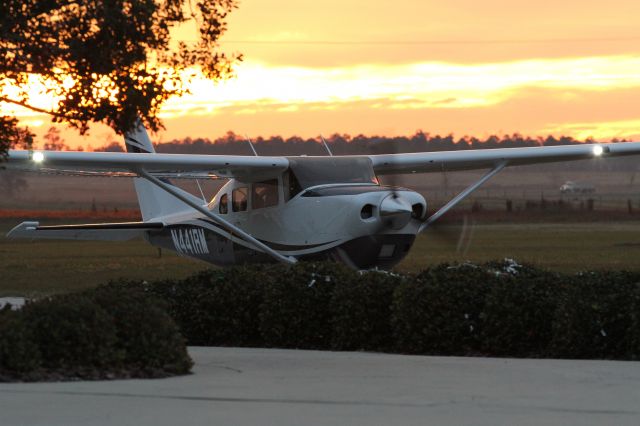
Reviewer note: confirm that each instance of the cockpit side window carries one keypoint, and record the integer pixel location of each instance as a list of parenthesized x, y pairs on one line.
[(224, 204), (264, 194), (239, 199), (291, 185)]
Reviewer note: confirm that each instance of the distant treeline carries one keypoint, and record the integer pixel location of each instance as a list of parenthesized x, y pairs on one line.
[(233, 144)]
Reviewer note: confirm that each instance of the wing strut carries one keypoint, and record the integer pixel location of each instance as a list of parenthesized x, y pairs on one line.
[(226, 225), (326, 146), (461, 196)]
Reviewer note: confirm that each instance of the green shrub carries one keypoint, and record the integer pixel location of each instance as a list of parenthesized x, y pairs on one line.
[(132, 329), (5, 310), (146, 335), (517, 320), (439, 312), (361, 312), (512, 268), (72, 332), (19, 353), (112, 331), (182, 298), (296, 309), (216, 307), (634, 332), (226, 312), (594, 318)]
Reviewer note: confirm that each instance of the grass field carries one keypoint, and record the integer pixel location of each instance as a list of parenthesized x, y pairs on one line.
[(47, 267), (565, 247), (33, 269)]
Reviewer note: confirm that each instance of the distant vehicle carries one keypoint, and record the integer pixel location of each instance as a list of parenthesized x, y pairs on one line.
[(279, 208), (571, 187)]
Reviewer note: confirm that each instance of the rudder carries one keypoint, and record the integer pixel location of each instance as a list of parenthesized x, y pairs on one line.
[(154, 202)]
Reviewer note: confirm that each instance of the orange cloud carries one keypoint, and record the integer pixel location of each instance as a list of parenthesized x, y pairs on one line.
[(513, 96), (598, 130), (410, 86)]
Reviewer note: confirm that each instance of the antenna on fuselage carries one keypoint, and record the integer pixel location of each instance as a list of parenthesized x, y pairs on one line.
[(326, 146), (251, 145)]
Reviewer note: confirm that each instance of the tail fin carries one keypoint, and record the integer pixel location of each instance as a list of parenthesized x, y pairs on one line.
[(154, 202), (137, 140)]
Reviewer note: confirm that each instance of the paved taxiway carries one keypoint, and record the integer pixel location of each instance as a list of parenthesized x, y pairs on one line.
[(279, 387)]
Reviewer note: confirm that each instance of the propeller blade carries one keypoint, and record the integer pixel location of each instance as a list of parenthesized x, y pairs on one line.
[(455, 234)]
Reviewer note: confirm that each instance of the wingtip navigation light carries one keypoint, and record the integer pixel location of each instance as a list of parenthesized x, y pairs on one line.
[(37, 157)]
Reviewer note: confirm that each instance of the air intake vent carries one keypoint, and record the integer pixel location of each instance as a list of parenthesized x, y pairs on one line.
[(367, 211), (417, 211)]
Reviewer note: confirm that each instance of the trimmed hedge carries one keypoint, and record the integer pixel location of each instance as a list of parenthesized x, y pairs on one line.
[(495, 309), (296, 306), (225, 312), (19, 352), (361, 312), (595, 317), (72, 332), (147, 338), (113, 331), (439, 312), (518, 314), (127, 329)]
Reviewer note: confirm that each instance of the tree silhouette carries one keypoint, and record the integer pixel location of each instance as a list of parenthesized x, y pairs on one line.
[(105, 61), (12, 135), (54, 141), (343, 144)]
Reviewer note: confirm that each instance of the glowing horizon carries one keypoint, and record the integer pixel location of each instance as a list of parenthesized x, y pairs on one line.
[(372, 70)]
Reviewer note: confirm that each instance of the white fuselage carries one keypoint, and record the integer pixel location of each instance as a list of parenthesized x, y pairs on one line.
[(346, 222)]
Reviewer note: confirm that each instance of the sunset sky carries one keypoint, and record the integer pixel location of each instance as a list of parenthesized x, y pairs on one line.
[(390, 68)]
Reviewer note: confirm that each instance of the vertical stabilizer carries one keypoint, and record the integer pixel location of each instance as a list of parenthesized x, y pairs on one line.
[(137, 140), (154, 202)]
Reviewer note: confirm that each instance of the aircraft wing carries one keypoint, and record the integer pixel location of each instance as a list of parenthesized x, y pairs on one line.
[(94, 231), (488, 158), (244, 168), (247, 168)]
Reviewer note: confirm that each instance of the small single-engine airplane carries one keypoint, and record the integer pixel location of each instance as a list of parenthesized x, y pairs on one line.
[(279, 208)]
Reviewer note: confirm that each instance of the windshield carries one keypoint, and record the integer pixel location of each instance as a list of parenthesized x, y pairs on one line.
[(312, 171)]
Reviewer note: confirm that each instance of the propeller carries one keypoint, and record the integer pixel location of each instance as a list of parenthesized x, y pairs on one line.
[(393, 178), (454, 233), (395, 211), (451, 231), (391, 147)]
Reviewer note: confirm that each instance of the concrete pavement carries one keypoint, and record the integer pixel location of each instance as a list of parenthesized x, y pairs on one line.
[(233, 386)]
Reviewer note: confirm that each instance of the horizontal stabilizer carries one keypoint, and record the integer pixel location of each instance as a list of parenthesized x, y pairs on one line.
[(93, 231)]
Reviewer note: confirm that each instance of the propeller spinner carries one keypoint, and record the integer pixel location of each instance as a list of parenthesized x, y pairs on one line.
[(395, 211)]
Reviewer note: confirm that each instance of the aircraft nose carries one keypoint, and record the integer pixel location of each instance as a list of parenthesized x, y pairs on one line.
[(395, 211)]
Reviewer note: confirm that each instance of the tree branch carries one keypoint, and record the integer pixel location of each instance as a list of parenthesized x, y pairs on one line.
[(31, 107)]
